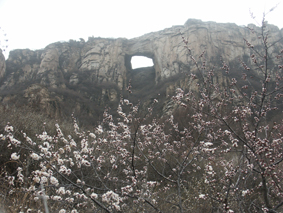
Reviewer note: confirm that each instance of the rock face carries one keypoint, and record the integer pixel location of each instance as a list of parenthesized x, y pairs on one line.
[(105, 64), (2, 64)]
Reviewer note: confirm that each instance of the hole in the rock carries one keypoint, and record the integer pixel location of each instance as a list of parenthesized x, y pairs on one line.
[(141, 61), (141, 71)]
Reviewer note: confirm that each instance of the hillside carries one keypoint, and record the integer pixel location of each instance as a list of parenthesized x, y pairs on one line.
[(86, 76)]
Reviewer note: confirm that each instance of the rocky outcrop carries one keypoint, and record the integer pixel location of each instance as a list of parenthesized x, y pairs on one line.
[(103, 66), (109, 60), (2, 64)]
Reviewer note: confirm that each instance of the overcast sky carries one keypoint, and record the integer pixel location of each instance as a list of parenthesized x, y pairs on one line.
[(34, 24)]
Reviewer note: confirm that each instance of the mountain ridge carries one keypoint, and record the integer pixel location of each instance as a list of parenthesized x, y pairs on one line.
[(98, 71)]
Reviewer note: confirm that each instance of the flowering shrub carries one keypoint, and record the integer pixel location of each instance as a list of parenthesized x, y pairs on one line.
[(226, 157)]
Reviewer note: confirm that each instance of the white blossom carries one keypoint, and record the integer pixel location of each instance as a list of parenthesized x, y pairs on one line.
[(61, 191), (9, 128), (127, 189), (14, 156), (244, 192), (92, 135), (112, 159), (11, 180), (151, 183), (70, 200), (54, 181), (36, 179), (43, 179), (111, 197), (99, 129), (57, 198), (35, 156), (85, 162), (207, 144), (94, 196)]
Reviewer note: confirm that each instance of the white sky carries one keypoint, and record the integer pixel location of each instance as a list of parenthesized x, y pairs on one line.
[(34, 24)]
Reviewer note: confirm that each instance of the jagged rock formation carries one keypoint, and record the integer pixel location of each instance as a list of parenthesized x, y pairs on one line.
[(99, 69), (2, 64)]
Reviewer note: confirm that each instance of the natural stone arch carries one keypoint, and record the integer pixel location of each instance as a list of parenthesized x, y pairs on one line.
[(142, 47), (128, 59), (138, 62), (140, 77)]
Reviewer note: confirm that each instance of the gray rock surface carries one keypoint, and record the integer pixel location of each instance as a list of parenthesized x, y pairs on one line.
[(103, 61), (2, 64), (108, 60)]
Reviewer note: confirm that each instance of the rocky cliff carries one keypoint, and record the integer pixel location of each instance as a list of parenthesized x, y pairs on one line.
[(89, 74), (2, 64)]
